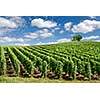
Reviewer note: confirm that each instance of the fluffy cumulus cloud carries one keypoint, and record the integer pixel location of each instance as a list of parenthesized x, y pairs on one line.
[(44, 33), (68, 26), (31, 36), (63, 40), (40, 23), (10, 23), (7, 23), (19, 21), (16, 41), (90, 37), (11, 39), (19, 40), (5, 30), (86, 26)]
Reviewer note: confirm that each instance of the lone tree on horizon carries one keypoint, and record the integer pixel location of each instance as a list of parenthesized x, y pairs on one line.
[(76, 37)]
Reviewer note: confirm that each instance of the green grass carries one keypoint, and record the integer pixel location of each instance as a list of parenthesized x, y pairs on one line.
[(37, 80)]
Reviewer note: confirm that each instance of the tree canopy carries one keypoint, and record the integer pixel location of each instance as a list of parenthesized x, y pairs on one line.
[(77, 37)]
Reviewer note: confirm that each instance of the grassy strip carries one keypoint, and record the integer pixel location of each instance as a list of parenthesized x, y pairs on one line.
[(34, 80)]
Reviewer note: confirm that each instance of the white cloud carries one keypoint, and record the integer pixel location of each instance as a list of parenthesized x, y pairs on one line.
[(86, 26), (42, 43), (45, 33), (10, 23), (62, 31), (42, 23), (19, 21), (5, 30), (5, 39), (22, 44), (7, 23), (57, 28), (31, 36), (9, 39), (39, 43), (63, 40), (90, 37), (68, 26), (58, 41), (19, 40)]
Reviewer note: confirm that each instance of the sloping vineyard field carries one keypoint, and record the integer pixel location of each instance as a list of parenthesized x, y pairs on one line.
[(69, 61)]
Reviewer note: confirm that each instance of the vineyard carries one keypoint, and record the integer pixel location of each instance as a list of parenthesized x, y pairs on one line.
[(69, 61)]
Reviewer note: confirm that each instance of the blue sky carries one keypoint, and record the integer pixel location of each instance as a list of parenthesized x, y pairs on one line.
[(36, 30)]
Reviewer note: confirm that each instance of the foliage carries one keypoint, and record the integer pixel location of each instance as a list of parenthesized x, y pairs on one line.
[(77, 37), (74, 59)]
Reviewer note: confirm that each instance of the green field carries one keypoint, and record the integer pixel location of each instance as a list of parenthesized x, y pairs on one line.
[(64, 62)]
